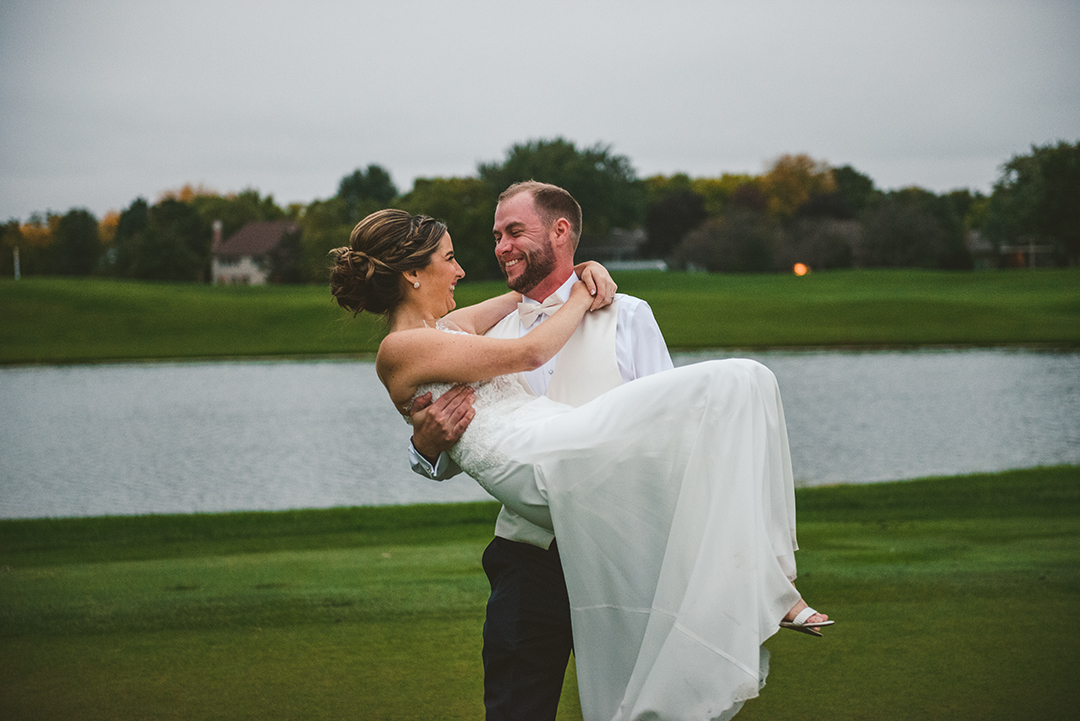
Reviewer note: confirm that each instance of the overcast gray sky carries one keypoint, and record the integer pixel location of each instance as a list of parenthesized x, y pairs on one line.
[(105, 101)]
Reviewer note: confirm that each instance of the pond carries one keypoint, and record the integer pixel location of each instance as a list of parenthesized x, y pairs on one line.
[(269, 435)]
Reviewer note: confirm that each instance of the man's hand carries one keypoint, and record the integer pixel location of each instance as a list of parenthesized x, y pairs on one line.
[(438, 426)]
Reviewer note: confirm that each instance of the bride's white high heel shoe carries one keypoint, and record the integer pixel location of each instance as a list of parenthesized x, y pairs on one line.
[(799, 623)]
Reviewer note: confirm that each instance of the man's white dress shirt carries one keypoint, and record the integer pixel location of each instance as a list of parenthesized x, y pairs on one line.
[(639, 351)]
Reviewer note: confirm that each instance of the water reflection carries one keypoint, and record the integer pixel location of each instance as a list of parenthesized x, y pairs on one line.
[(179, 438)]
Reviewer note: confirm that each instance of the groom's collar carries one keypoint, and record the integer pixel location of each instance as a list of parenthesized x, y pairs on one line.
[(563, 291)]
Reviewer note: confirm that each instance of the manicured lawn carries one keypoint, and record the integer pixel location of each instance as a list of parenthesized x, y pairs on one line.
[(46, 320), (955, 598), (864, 308)]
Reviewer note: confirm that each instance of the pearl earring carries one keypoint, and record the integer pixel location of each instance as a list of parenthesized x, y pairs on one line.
[(416, 284)]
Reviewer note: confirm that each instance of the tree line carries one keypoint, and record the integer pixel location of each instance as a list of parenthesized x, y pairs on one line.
[(798, 210)]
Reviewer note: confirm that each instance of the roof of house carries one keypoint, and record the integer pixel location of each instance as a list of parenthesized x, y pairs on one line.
[(256, 238)]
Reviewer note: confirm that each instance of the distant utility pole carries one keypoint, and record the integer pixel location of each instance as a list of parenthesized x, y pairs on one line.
[(15, 253)]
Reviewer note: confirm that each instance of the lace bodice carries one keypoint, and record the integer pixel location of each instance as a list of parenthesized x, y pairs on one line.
[(495, 399)]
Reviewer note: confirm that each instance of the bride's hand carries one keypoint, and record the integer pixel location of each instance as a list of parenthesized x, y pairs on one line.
[(579, 292), (598, 282)]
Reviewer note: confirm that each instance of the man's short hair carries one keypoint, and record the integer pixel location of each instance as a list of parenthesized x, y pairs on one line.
[(552, 203)]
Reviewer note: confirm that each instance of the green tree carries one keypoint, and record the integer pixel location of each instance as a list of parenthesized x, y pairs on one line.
[(743, 241), (913, 228), (667, 221), (975, 215), (236, 210), (467, 206), (167, 241), (324, 225), (176, 244), (821, 242), (365, 191), (76, 246), (130, 233), (749, 196), (287, 259), (1037, 196), (604, 184), (659, 187), (856, 190)]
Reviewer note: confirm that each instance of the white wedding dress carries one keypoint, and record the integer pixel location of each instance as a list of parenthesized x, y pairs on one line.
[(673, 504)]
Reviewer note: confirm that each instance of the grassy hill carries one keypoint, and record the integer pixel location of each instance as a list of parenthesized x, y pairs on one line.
[(954, 598), (47, 320)]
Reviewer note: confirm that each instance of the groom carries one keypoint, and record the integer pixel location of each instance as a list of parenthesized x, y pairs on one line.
[(527, 634)]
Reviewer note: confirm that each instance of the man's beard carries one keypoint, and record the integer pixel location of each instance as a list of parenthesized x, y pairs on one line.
[(537, 267)]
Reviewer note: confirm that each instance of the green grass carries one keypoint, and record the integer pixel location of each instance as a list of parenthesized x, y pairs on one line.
[(45, 320), (87, 320), (864, 308), (955, 598)]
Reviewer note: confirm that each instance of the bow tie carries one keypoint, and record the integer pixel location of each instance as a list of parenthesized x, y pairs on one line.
[(529, 312)]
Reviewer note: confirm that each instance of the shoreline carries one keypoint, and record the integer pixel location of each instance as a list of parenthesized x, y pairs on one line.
[(453, 509)]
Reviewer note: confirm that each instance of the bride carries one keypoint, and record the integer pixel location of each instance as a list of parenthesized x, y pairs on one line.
[(671, 496)]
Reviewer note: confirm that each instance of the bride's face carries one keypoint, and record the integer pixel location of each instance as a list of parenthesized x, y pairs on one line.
[(438, 279)]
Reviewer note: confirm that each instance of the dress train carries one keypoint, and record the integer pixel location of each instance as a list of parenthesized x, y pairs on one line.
[(673, 502)]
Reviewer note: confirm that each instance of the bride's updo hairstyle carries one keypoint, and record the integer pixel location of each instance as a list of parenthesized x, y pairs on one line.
[(367, 274)]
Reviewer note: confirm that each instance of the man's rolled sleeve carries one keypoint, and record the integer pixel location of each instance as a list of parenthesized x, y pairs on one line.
[(443, 468)]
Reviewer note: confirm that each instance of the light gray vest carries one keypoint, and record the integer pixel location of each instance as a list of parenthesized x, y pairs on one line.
[(584, 368)]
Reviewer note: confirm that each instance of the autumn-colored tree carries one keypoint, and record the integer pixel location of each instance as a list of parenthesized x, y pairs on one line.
[(717, 192), (34, 239), (659, 187), (11, 244), (39, 231), (187, 193), (107, 228), (677, 204), (791, 180)]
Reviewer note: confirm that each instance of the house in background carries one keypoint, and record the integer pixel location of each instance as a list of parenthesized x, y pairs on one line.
[(245, 257)]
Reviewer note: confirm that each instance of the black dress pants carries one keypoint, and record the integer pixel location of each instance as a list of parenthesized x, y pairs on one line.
[(527, 635)]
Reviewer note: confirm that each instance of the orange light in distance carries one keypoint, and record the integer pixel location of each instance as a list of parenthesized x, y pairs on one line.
[(800, 269)]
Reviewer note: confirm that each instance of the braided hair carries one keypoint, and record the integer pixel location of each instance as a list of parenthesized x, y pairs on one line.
[(367, 273)]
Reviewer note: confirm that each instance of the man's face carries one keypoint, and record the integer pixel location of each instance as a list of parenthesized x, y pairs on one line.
[(523, 244)]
